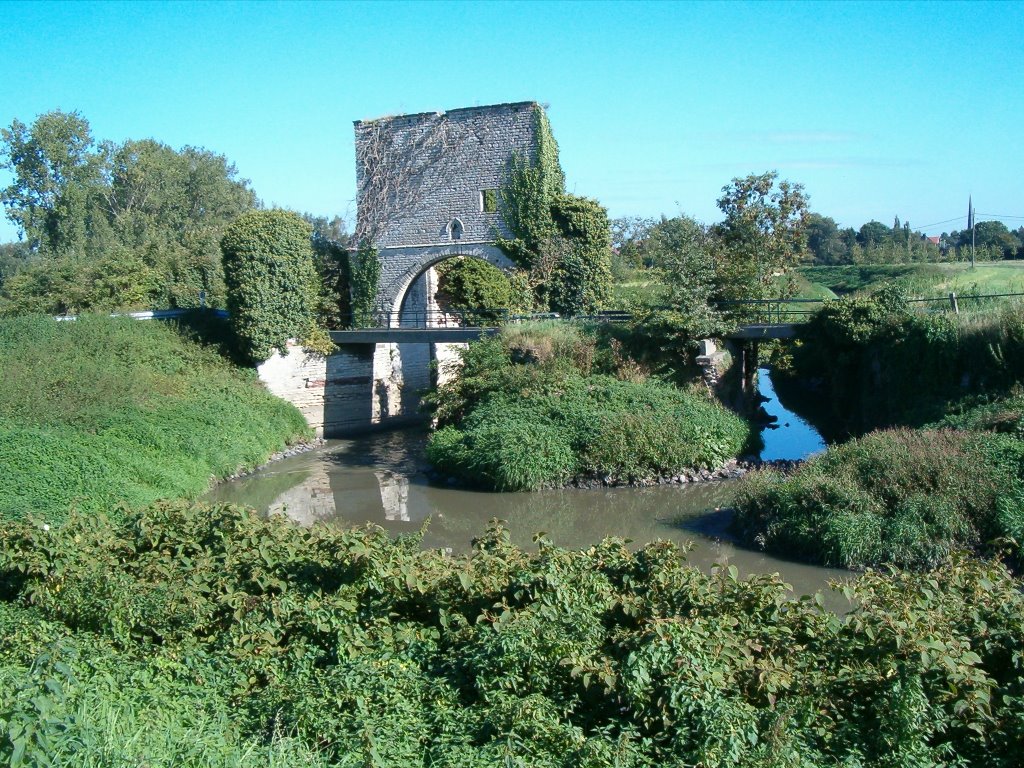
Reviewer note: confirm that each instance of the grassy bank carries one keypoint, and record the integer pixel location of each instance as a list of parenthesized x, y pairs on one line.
[(921, 279), (539, 405), (194, 636), (880, 363), (908, 497), (104, 411), (902, 497)]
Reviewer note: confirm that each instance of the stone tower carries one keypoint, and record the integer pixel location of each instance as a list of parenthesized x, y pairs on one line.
[(428, 189)]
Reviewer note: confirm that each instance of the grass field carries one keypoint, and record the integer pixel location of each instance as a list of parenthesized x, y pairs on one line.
[(922, 279)]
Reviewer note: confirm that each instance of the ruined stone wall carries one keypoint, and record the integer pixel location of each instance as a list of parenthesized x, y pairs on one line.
[(415, 174)]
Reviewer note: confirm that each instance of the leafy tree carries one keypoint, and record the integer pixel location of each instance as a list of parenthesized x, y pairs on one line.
[(630, 239), (827, 243), (685, 252), (81, 204), (874, 233), (991, 235), (13, 256), (764, 234), (57, 168), (271, 280), (330, 240)]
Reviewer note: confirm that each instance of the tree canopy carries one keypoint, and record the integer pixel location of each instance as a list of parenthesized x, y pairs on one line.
[(112, 226)]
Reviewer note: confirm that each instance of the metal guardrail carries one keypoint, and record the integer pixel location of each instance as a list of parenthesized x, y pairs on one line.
[(477, 318), (772, 311), (154, 314)]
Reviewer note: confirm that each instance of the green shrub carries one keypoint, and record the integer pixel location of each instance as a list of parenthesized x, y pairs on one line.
[(198, 635), (906, 497), (271, 280), (107, 410), (883, 365), (582, 278), (472, 285), (559, 424)]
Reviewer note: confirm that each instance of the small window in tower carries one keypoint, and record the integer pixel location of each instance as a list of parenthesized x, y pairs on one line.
[(489, 201)]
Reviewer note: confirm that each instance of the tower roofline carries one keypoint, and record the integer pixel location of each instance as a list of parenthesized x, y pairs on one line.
[(461, 110)]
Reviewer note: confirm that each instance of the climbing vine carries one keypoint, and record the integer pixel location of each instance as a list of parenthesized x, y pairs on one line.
[(531, 186), (271, 280), (364, 271), (561, 240)]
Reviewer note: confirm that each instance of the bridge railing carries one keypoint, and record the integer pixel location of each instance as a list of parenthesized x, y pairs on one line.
[(477, 318), (771, 311)]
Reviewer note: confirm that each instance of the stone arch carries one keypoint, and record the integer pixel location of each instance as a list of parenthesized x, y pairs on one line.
[(402, 267)]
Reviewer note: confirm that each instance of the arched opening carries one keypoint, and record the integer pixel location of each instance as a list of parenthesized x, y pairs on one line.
[(455, 229)]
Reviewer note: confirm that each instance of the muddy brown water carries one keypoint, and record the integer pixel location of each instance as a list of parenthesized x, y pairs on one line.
[(382, 479)]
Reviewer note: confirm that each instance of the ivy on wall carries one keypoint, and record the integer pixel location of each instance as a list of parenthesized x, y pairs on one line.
[(364, 276), (271, 280), (531, 186), (563, 241)]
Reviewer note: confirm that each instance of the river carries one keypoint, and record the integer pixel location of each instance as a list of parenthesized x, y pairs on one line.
[(382, 479)]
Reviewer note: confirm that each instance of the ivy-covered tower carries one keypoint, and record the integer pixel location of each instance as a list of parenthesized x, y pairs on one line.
[(429, 186)]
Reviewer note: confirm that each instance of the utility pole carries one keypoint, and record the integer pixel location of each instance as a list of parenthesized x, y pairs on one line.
[(970, 224)]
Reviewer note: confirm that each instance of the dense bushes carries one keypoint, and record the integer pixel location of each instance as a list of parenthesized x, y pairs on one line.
[(129, 226), (207, 636), (882, 364), (906, 497), (528, 411), (105, 410), (271, 280), (476, 288)]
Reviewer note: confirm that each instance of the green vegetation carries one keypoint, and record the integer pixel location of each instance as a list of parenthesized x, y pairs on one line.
[(108, 410), (925, 280), (903, 497), (475, 288), (560, 241), (271, 281), (531, 409), (364, 269), (134, 225), (883, 364), (195, 635), (876, 244), (762, 236)]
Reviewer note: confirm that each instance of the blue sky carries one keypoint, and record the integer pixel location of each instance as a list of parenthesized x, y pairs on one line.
[(879, 109)]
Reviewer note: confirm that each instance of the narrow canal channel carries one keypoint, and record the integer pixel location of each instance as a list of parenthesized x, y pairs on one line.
[(382, 479)]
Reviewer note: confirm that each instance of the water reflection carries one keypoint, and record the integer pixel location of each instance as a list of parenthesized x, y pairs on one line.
[(381, 479), (789, 436)]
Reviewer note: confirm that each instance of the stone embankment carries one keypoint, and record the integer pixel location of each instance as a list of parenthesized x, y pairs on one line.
[(287, 453), (731, 470)]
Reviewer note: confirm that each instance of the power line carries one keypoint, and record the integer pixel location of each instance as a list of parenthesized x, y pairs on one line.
[(935, 224), (1001, 215)]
